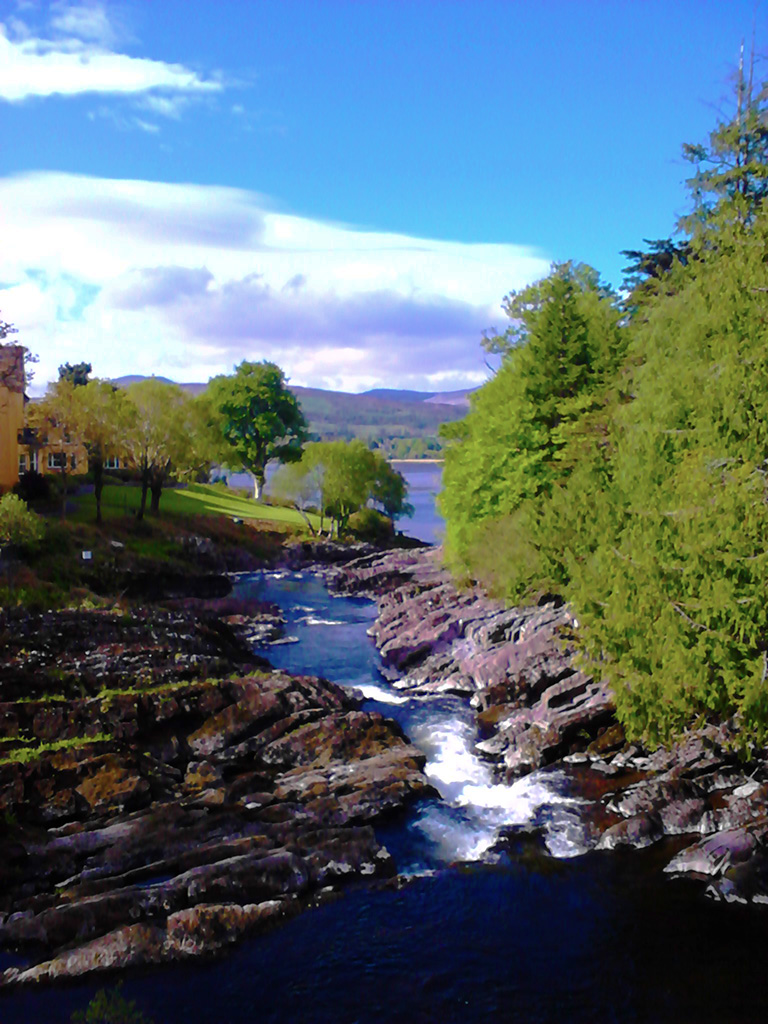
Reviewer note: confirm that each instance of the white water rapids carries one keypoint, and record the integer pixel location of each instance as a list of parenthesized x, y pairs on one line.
[(465, 824)]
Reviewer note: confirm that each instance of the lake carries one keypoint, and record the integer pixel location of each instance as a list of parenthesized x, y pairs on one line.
[(424, 482)]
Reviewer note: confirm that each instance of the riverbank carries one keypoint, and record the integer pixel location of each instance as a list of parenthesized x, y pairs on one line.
[(164, 792), (535, 708)]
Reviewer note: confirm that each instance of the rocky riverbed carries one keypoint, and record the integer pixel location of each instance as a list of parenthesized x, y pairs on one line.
[(534, 708), (164, 792)]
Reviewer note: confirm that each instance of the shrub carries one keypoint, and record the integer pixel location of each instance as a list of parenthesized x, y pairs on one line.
[(371, 525), (18, 526), (33, 487), (109, 1006)]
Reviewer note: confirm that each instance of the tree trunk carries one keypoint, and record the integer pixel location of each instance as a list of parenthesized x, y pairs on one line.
[(157, 489), (258, 484), (306, 519), (64, 493), (98, 485), (144, 490)]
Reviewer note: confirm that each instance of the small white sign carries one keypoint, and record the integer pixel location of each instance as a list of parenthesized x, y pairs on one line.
[(87, 556)]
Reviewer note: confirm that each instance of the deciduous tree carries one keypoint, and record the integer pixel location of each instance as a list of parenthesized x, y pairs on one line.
[(55, 422), (258, 417), (102, 417), (158, 439), (341, 477)]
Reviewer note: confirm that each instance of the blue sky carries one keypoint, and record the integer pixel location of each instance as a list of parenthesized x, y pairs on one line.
[(347, 188)]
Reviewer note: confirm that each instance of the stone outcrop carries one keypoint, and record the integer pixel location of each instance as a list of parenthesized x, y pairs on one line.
[(155, 813), (515, 665), (535, 708)]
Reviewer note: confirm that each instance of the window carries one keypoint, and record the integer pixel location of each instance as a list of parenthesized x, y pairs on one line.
[(112, 462), (72, 461), (22, 463), (57, 460), (33, 461)]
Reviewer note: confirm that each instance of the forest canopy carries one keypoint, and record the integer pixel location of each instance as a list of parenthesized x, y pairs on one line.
[(619, 457)]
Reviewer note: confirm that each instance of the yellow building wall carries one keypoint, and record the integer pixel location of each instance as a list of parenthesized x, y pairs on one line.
[(11, 422), (67, 448)]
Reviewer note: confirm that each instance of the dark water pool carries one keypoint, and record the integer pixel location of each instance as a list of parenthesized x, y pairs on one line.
[(598, 939)]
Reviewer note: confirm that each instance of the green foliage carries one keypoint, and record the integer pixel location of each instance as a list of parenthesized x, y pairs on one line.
[(77, 374), (109, 1006), (166, 437), (18, 525), (258, 418), (649, 269), (340, 477), (730, 182), (371, 525), (673, 597), (103, 417), (530, 425), (624, 462)]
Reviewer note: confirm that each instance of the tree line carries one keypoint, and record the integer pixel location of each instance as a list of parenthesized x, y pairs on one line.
[(619, 457), (242, 422)]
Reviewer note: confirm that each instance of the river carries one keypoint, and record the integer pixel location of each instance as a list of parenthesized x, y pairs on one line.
[(544, 930)]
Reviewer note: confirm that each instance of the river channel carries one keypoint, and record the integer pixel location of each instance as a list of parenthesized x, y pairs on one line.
[(541, 930)]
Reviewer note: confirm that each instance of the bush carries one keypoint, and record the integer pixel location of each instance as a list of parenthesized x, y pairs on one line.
[(370, 525), (33, 487), (18, 526), (109, 1006)]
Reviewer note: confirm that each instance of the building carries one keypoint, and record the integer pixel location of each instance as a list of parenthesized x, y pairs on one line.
[(11, 412), (54, 455)]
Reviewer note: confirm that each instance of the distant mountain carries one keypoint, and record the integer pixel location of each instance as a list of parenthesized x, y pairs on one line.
[(433, 397), (452, 397), (393, 395), (134, 378), (400, 422)]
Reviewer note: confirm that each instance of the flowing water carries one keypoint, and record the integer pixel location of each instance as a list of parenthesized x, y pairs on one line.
[(536, 929)]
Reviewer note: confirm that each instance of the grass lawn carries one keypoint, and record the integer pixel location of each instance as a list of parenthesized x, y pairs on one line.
[(197, 499)]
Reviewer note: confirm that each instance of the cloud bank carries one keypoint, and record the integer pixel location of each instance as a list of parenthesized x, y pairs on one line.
[(185, 281), (76, 53)]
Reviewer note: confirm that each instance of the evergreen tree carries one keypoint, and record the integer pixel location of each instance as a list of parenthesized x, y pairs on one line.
[(731, 169), (527, 426)]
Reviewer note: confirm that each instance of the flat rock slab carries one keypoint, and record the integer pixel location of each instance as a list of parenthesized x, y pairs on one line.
[(535, 708), (178, 813)]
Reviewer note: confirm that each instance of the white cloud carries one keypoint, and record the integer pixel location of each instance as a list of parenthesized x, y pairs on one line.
[(186, 280), (84, 21), (77, 57), (165, 106)]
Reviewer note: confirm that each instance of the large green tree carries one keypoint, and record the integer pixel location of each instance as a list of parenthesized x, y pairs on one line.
[(258, 418), (159, 437), (55, 422), (102, 419), (528, 428), (340, 478), (673, 597)]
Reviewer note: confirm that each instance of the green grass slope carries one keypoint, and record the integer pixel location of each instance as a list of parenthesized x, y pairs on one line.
[(197, 499)]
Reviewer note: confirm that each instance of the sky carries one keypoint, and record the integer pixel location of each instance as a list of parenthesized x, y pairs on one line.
[(348, 188)]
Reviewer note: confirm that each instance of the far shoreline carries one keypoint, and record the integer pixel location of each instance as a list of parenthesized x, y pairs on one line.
[(426, 462)]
